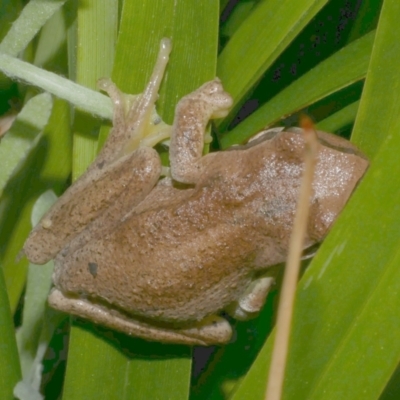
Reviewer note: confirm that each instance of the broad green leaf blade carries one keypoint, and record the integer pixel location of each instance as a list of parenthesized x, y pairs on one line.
[(96, 35), (165, 369), (129, 369), (10, 370), (104, 364), (342, 69), (258, 42), (94, 369), (193, 32), (24, 29)]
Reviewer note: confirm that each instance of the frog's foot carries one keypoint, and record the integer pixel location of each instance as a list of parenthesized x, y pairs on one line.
[(252, 300), (213, 330), (135, 121)]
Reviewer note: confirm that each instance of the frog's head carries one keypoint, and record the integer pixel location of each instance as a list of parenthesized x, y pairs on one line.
[(340, 166)]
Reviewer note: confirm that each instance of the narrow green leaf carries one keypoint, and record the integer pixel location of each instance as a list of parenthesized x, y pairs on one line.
[(10, 371), (83, 98), (38, 286), (46, 166), (345, 116), (380, 104), (366, 18), (236, 17), (223, 4), (259, 40), (16, 143), (24, 29), (51, 47), (342, 69)]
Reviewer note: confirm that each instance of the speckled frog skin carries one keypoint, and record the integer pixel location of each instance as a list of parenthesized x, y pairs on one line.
[(161, 258)]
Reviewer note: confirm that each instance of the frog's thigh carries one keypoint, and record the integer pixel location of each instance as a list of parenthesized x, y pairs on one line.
[(211, 331), (252, 300), (124, 183)]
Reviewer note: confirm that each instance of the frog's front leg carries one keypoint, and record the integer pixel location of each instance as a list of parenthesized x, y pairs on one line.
[(210, 331), (192, 115)]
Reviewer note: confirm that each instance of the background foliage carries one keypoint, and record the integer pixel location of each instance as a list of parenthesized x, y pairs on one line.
[(335, 60)]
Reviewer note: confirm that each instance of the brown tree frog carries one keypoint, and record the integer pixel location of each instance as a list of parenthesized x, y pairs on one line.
[(161, 258)]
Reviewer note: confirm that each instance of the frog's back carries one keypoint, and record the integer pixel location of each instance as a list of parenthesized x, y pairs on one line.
[(179, 248)]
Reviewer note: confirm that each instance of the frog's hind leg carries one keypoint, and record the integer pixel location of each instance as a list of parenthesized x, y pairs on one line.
[(213, 330), (94, 203)]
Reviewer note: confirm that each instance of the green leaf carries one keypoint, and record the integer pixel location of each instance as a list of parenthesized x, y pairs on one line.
[(259, 40), (380, 103), (24, 29), (342, 69), (344, 117), (29, 122), (92, 52), (8, 347), (81, 97), (46, 166), (38, 286)]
